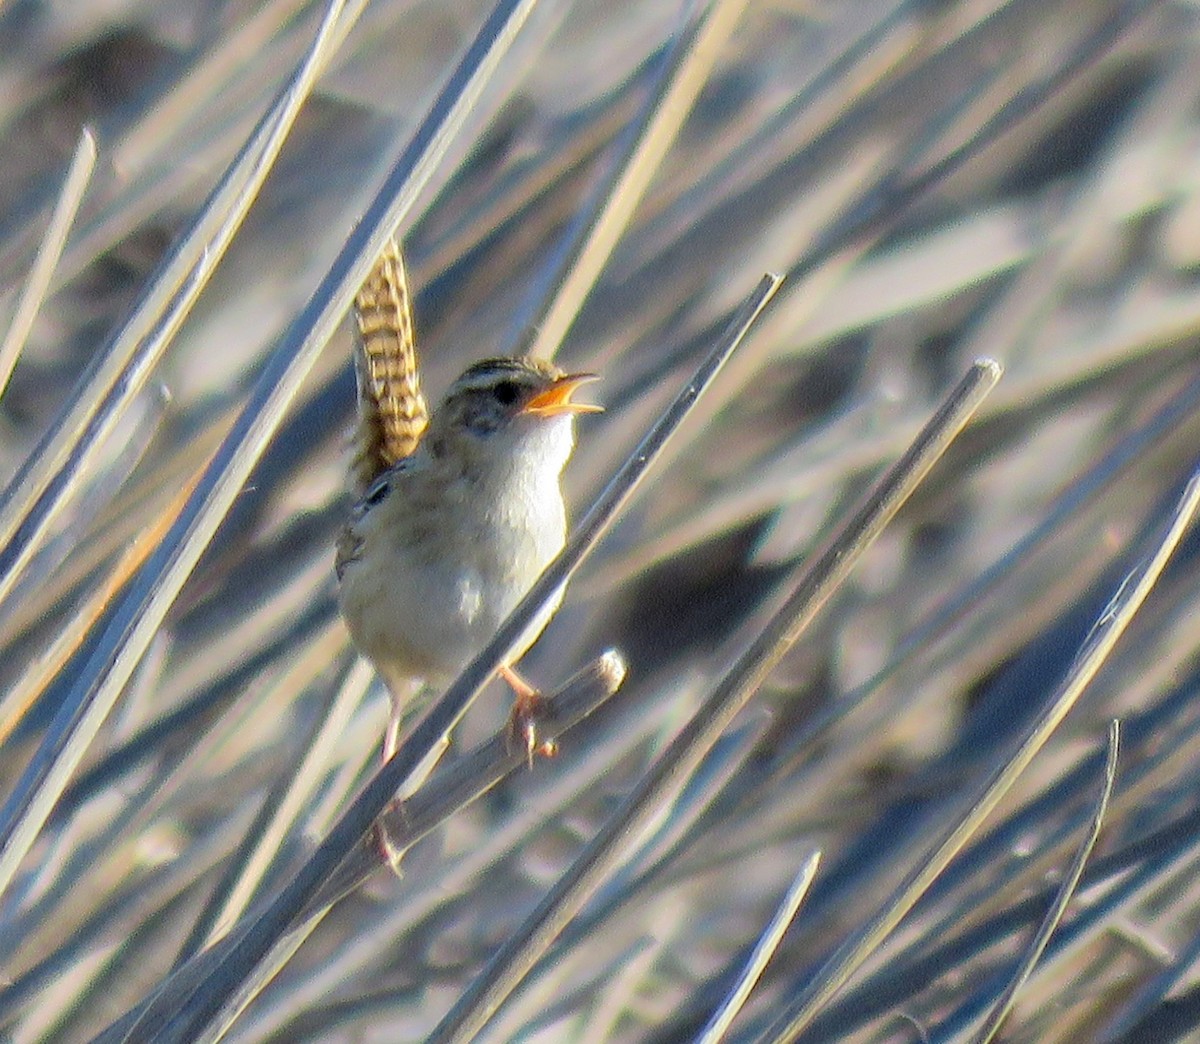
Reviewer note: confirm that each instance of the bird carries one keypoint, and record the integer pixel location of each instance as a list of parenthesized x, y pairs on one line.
[(457, 513)]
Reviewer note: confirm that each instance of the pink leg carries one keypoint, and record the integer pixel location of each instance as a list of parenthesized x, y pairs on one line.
[(391, 734), (391, 742)]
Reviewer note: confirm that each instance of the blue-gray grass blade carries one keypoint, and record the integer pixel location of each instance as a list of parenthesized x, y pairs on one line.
[(1125, 878), (723, 1017), (1149, 999), (218, 997), (725, 763), (961, 603), (472, 775), (454, 787), (884, 203), (314, 633), (661, 843), (881, 46), (201, 83), (586, 247), (53, 471), (1084, 489), (278, 815), (23, 693), (1094, 651), (139, 614), (876, 210), (1041, 939), (1130, 879), (589, 767), (824, 573), (79, 174)]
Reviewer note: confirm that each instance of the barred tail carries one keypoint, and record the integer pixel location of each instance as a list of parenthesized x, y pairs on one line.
[(391, 409)]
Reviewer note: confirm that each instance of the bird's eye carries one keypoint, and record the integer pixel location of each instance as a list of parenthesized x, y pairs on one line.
[(506, 393)]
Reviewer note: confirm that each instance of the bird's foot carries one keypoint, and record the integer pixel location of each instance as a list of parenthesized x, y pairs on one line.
[(528, 710)]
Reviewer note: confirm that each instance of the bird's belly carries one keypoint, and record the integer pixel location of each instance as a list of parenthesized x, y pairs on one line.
[(429, 623)]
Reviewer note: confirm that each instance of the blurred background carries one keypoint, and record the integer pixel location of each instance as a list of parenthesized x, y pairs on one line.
[(939, 181)]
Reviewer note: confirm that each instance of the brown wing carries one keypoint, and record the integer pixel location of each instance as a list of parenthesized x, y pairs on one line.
[(391, 409)]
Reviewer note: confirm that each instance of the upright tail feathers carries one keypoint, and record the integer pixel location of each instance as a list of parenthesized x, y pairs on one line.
[(392, 413)]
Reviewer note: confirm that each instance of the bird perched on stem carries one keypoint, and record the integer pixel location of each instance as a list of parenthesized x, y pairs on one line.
[(457, 514)]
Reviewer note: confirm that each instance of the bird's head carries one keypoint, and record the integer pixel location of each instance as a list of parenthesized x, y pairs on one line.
[(514, 411)]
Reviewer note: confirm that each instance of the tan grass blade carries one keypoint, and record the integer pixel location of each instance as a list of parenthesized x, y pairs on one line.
[(995, 1018), (78, 175), (40, 673)]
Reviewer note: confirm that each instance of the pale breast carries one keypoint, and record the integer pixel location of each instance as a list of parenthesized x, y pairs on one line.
[(422, 596)]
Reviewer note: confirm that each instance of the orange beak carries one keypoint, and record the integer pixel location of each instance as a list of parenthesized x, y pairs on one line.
[(557, 398)]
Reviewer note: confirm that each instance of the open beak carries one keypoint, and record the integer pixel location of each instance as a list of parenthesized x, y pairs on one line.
[(557, 398)]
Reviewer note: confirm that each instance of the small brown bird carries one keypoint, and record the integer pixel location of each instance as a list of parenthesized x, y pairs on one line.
[(457, 514)]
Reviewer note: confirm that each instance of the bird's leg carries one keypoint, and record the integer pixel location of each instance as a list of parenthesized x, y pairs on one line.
[(399, 695), (391, 733), (523, 721), (391, 740)]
